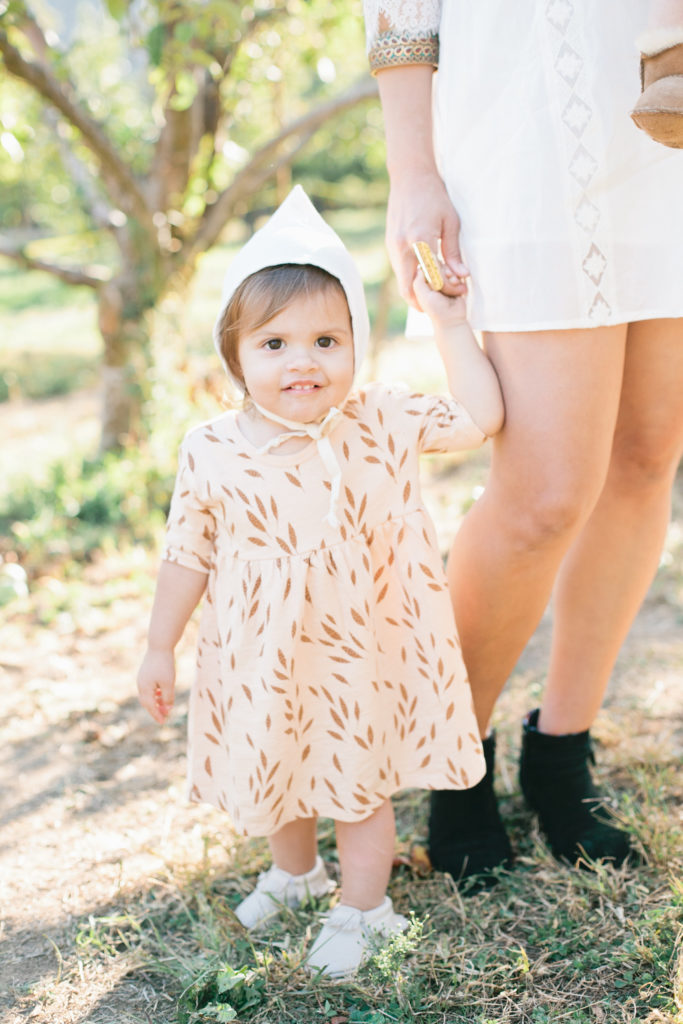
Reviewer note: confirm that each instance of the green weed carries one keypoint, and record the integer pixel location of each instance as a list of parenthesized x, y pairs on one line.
[(87, 505)]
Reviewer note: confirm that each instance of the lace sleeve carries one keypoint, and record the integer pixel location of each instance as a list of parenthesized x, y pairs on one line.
[(402, 32)]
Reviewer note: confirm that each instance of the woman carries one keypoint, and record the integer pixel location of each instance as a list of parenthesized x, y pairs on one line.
[(572, 231)]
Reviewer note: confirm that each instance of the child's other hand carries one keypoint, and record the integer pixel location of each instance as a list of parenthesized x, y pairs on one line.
[(442, 309), (156, 684)]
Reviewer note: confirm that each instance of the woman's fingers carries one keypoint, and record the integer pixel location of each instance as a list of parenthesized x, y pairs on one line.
[(450, 243), (428, 217)]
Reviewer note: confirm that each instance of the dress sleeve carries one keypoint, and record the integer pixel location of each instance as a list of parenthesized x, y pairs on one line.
[(191, 527), (402, 32), (444, 424)]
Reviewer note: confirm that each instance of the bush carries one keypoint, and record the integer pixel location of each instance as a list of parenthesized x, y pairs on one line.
[(44, 374), (87, 505)]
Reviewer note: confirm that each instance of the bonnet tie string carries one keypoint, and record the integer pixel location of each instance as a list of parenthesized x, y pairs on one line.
[(317, 432)]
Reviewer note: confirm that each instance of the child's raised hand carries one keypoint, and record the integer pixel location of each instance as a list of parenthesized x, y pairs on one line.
[(156, 684), (442, 309)]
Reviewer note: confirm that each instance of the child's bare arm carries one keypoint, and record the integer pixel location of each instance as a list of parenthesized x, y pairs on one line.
[(178, 592), (471, 376)]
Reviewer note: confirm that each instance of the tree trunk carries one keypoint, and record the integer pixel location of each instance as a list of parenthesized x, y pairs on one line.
[(122, 316)]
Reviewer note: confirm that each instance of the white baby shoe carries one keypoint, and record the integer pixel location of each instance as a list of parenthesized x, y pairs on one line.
[(277, 888), (346, 937)]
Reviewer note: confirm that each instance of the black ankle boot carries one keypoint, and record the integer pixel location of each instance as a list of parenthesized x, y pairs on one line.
[(466, 834), (556, 781)]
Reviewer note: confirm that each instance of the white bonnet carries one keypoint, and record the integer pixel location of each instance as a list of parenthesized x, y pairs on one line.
[(296, 233)]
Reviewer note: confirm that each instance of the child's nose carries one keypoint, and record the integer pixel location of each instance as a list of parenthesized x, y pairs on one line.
[(302, 358)]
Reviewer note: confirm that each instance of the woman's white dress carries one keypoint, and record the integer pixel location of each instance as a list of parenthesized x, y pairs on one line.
[(571, 216)]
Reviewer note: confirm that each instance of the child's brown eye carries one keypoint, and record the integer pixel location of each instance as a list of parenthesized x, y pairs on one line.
[(274, 344), (325, 342)]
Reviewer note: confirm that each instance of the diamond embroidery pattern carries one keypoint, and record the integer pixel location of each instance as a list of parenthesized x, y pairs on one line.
[(559, 13), (600, 308), (587, 215), (594, 264), (568, 64), (583, 165), (576, 115)]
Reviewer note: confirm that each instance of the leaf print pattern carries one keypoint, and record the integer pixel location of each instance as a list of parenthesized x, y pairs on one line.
[(329, 673)]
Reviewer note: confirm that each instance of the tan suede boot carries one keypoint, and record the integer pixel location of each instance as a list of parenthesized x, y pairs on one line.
[(659, 110)]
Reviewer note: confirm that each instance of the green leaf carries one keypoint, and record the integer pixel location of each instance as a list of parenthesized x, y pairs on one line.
[(155, 44), (184, 32), (117, 8)]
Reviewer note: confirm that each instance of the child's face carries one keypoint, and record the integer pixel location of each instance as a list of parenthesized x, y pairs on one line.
[(300, 363)]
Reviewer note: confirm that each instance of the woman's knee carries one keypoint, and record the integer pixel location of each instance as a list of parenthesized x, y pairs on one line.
[(546, 513), (646, 459)]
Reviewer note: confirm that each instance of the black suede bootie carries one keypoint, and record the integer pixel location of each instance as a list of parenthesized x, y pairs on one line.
[(466, 834), (556, 781)]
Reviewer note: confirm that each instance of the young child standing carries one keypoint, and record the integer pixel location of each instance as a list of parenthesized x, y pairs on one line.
[(329, 673)]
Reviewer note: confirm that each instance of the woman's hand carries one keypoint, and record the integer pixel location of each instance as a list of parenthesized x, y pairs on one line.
[(419, 207), (420, 210), (156, 683)]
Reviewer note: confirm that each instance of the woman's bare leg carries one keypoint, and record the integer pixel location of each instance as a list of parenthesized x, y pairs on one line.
[(366, 853), (548, 467), (605, 574)]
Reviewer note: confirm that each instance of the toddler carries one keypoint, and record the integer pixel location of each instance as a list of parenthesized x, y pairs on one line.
[(329, 674)]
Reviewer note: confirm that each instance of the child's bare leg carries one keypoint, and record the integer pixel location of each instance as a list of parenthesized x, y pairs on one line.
[(365, 913), (297, 873), (294, 846), (366, 853)]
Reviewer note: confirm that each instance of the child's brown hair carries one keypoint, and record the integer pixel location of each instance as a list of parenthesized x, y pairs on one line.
[(260, 297)]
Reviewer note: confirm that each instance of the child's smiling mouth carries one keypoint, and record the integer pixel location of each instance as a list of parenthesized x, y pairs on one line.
[(302, 387)]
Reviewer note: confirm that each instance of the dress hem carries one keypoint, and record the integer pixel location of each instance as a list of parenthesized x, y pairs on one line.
[(581, 323), (337, 815)]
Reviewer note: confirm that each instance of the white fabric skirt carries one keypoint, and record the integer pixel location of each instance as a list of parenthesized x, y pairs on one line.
[(571, 216)]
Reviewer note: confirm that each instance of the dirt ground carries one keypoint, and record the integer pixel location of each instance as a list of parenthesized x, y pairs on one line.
[(93, 803)]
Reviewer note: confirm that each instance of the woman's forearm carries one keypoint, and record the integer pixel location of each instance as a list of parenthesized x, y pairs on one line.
[(419, 208), (406, 98)]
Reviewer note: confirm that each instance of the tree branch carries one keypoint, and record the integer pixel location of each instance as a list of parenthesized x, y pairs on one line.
[(70, 275), (99, 210), (259, 168), (182, 130), (41, 79)]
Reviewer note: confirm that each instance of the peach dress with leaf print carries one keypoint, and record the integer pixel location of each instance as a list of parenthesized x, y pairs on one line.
[(329, 673)]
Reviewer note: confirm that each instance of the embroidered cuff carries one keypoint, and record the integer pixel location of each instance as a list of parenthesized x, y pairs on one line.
[(392, 49)]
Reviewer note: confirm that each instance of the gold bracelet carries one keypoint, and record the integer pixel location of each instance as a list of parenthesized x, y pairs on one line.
[(428, 265)]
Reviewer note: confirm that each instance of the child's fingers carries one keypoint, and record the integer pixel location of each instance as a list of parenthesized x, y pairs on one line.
[(156, 688), (454, 286), (420, 286), (153, 704), (440, 306), (162, 705), (162, 701), (426, 296)]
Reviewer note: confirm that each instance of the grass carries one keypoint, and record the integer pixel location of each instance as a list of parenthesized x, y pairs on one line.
[(49, 337), (548, 943)]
